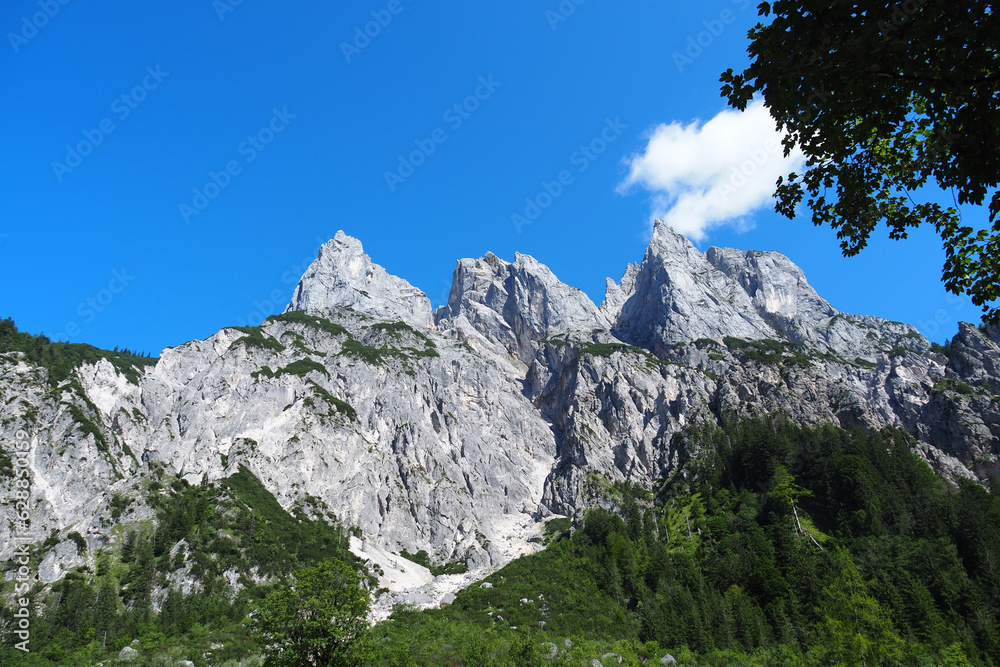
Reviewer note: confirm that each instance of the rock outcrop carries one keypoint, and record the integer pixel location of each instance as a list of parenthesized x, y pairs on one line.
[(515, 305), (344, 276), (784, 299), (676, 295)]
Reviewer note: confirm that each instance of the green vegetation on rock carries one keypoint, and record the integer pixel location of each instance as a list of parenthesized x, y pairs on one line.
[(234, 529), (255, 338), (608, 349), (314, 321), (776, 545), (769, 351), (301, 368), (61, 359), (87, 426), (337, 406), (957, 386), (422, 558)]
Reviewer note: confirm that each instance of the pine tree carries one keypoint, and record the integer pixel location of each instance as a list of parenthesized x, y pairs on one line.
[(858, 631), (105, 609)]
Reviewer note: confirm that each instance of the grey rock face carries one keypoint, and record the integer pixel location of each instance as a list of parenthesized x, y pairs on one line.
[(616, 294), (962, 416), (975, 357), (420, 465), (781, 295), (61, 559), (778, 290), (622, 414), (344, 276), (617, 416), (678, 296), (516, 304), (515, 406), (73, 471)]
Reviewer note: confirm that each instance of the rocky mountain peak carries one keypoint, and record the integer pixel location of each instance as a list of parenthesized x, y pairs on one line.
[(344, 276), (424, 442), (781, 295), (677, 295), (514, 304), (667, 242)]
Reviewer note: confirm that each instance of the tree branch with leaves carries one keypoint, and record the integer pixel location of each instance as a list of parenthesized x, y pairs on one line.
[(884, 99)]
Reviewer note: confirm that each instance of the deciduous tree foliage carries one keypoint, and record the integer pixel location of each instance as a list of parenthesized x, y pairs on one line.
[(320, 620), (884, 98)]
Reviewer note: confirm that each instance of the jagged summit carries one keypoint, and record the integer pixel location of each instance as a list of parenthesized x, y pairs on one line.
[(515, 304), (344, 276), (676, 295), (679, 294)]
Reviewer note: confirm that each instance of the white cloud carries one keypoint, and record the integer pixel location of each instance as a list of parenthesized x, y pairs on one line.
[(704, 175)]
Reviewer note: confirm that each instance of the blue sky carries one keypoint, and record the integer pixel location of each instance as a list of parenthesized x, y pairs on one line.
[(168, 172)]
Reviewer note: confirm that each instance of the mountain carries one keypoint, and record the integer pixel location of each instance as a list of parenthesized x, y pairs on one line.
[(459, 431), (343, 276)]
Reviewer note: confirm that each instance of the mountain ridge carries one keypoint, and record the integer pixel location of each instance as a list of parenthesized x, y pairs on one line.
[(457, 430)]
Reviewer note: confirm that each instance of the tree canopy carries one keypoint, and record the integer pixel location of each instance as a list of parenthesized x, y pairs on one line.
[(320, 620), (883, 99)]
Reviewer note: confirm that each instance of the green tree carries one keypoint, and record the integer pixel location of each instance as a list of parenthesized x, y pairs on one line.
[(785, 492), (883, 98), (105, 610), (858, 631), (320, 620)]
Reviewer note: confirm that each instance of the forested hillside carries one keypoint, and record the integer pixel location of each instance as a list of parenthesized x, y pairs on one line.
[(182, 585), (782, 546), (62, 358)]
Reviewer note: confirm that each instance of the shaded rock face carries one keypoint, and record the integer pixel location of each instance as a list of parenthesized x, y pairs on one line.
[(975, 357), (515, 305), (456, 431), (676, 295), (963, 414)]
